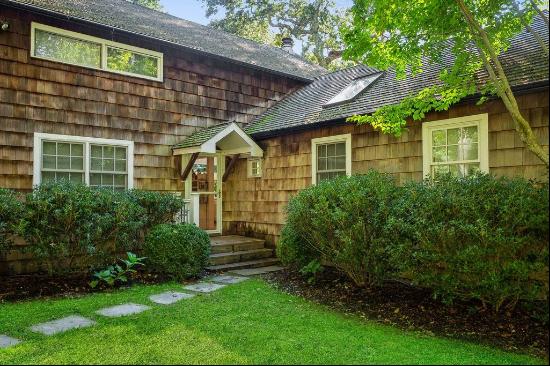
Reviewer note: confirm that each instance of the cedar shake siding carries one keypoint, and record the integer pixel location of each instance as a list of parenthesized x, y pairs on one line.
[(255, 206), (38, 96)]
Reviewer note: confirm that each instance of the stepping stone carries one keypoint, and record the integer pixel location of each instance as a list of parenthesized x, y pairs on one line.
[(62, 325), (228, 280), (256, 271), (204, 287), (6, 341), (122, 310), (170, 297)]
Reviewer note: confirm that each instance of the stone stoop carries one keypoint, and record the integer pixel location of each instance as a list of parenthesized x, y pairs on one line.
[(238, 252)]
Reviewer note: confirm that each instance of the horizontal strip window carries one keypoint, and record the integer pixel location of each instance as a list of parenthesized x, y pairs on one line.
[(96, 162), (55, 44)]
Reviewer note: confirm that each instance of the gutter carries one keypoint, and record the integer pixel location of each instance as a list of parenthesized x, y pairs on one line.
[(535, 87), (53, 14)]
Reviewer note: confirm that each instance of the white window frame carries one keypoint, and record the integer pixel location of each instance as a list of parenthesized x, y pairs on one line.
[(250, 164), (329, 140), (104, 44), (87, 141), (479, 120)]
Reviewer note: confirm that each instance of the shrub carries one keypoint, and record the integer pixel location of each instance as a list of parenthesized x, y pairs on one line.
[(70, 225), (479, 237), (11, 211), (178, 250), (342, 222), (160, 208)]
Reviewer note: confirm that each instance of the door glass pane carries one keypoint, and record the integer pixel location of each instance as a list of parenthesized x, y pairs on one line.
[(205, 174)]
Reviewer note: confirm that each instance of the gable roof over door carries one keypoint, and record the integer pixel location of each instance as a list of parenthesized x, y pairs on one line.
[(128, 17), (524, 63)]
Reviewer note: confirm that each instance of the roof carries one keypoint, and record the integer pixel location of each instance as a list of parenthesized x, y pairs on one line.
[(524, 63), (201, 136), (126, 16)]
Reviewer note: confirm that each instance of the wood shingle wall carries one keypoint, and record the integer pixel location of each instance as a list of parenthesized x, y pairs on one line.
[(50, 97), (255, 206)]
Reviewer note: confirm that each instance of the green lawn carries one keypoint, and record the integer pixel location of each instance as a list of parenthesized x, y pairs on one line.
[(246, 323)]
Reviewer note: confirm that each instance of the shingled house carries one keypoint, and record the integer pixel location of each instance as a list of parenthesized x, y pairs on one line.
[(112, 94)]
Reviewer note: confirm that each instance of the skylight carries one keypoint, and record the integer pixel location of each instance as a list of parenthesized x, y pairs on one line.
[(353, 89)]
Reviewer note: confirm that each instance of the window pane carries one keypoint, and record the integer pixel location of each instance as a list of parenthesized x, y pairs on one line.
[(64, 149), (107, 180), (340, 162), (341, 149), (438, 170), (63, 163), (452, 153), (49, 148), (439, 138), (67, 49), (120, 165), (96, 165), (77, 178), (62, 176), (121, 153), (96, 151), (453, 134), (322, 164), (77, 150), (108, 152), (132, 62), (77, 163), (48, 162), (108, 165), (331, 150), (95, 179), (469, 134), (470, 152), (322, 150), (120, 180), (439, 154), (48, 176)]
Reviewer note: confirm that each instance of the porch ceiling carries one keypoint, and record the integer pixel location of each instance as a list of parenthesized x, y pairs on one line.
[(226, 138)]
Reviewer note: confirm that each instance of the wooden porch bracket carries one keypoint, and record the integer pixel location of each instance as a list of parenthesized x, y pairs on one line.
[(189, 166), (230, 167)]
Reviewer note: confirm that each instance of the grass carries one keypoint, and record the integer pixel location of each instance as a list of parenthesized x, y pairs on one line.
[(247, 323)]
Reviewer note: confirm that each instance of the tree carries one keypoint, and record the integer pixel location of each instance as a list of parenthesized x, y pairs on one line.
[(313, 23), (152, 4), (405, 35)]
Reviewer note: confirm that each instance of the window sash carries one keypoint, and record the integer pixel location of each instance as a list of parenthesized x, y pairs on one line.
[(336, 149), (105, 45), (86, 143)]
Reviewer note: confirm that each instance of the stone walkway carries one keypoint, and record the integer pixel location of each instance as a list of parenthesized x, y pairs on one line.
[(166, 298)]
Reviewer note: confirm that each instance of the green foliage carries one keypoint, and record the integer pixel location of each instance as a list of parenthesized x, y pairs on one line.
[(180, 251), (116, 273), (11, 210), (342, 222), (312, 270), (475, 238), (152, 4), (315, 23), (65, 222), (408, 36), (479, 237), (160, 208), (70, 226)]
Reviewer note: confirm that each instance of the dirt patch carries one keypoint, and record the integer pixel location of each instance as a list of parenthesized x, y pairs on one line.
[(27, 287), (415, 309)]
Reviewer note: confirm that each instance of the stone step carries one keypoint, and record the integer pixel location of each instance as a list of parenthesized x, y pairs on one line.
[(266, 262), (235, 244), (240, 256)]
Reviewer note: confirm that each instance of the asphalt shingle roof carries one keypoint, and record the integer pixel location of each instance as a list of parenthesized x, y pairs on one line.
[(201, 136), (524, 63), (126, 16)]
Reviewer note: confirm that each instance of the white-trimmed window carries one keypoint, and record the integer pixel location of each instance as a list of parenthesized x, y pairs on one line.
[(331, 157), (55, 44), (93, 161), (459, 146), (254, 167)]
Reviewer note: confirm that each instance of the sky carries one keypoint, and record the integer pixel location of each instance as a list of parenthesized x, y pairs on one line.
[(193, 9)]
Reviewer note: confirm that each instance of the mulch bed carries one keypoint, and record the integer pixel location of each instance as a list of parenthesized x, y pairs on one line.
[(415, 309), (27, 287)]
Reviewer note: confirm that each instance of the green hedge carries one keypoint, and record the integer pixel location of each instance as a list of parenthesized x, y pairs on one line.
[(180, 251), (71, 226), (11, 211), (480, 237)]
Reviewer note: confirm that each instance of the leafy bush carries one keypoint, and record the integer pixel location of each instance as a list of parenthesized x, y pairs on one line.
[(116, 273), (70, 225), (479, 237), (342, 222), (11, 211), (160, 208), (178, 250)]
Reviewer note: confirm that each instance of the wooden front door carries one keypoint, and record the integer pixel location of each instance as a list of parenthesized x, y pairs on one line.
[(206, 192)]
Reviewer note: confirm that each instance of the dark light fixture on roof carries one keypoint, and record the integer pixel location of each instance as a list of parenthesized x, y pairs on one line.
[(355, 87)]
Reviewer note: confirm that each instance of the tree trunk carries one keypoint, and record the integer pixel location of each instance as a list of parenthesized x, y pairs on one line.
[(504, 90)]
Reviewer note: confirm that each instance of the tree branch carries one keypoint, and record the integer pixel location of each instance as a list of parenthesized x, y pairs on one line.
[(531, 30)]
